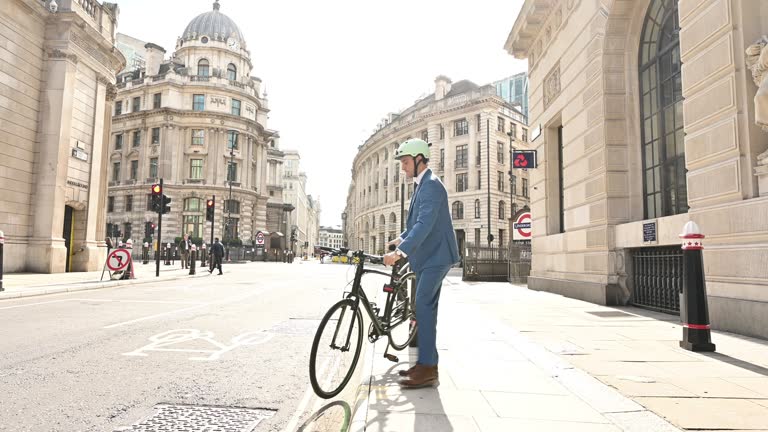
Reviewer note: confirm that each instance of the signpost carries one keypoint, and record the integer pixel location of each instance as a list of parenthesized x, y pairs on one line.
[(649, 232), (522, 227)]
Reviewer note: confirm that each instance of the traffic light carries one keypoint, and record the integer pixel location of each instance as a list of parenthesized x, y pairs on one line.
[(209, 209), (155, 198), (166, 204)]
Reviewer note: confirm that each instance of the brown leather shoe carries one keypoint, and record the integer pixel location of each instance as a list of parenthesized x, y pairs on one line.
[(421, 376), (405, 373)]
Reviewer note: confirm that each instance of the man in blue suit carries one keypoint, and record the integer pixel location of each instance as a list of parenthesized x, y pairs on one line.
[(429, 243)]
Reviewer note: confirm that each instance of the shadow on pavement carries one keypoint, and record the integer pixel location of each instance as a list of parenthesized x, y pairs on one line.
[(736, 362), (326, 418)]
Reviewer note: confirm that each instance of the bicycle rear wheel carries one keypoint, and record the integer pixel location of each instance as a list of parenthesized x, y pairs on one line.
[(336, 349), (403, 315)]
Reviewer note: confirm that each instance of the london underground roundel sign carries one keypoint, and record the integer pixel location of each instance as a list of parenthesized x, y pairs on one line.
[(521, 228)]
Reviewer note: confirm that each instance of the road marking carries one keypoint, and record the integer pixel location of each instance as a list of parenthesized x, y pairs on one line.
[(291, 426), (200, 306), (34, 304), (103, 301), (160, 341)]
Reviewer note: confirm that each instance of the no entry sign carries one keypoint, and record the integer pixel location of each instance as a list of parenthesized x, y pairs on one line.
[(521, 228)]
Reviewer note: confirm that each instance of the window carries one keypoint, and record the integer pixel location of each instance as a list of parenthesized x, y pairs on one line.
[(442, 132), (525, 188), (203, 68), (153, 167), (461, 182), (500, 180), (514, 184), (397, 194), (136, 138), (136, 104), (501, 210), (192, 204), (477, 154), (513, 130), (198, 137), (127, 230), (231, 206), (442, 159), (524, 138), (110, 204), (661, 111), (479, 180), (457, 210), (196, 169), (232, 171), (129, 203), (462, 158), (477, 236), (232, 140), (477, 209), (460, 127), (477, 120), (232, 72), (235, 107), (155, 135), (500, 124), (198, 102), (134, 169), (118, 141), (230, 227), (115, 171), (118, 108), (193, 224), (500, 152), (425, 135), (501, 237), (157, 99)]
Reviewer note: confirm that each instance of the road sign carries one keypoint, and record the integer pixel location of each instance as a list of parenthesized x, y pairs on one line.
[(525, 159), (260, 238), (521, 228), (118, 259)]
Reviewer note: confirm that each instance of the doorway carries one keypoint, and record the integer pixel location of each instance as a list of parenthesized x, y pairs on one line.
[(68, 234)]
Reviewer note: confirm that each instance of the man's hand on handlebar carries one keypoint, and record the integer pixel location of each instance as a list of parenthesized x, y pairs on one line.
[(391, 258)]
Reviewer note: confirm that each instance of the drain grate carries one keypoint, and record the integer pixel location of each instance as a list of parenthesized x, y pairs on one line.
[(181, 418), (611, 314)]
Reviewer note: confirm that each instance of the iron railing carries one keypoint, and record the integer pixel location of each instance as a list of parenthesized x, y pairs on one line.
[(657, 277)]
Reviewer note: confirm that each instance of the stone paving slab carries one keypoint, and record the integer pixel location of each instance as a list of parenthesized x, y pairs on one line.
[(710, 413)]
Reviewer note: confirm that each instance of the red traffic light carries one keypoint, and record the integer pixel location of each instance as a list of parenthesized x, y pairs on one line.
[(209, 203), (156, 189), (153, 225)]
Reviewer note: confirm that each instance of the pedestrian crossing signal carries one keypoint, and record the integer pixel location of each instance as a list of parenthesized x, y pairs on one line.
[(209, 209)]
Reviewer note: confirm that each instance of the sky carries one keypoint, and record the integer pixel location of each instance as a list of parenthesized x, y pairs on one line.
[(333, 69)]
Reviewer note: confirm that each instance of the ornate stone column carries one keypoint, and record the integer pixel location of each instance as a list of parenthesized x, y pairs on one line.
[(757, 61)]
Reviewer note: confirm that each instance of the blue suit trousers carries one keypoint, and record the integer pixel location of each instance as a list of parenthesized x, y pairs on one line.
[(429, 281)]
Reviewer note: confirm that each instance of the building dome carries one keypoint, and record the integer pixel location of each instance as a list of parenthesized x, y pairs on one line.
[(214, 24)]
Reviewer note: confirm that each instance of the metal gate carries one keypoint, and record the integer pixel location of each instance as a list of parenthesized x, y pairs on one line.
[(657, 276), (483, 263)]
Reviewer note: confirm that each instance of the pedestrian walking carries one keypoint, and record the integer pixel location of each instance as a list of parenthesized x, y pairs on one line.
[(429, 243), (184, 247), (217, 255)]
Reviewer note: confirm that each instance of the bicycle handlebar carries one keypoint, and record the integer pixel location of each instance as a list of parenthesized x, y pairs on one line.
[(359, 253)]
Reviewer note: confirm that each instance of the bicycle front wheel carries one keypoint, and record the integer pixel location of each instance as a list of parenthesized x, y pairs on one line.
[(336, 349), (402, 319)]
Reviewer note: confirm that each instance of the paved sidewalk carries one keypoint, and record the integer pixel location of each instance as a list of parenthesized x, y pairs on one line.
[(512, 359), (32, 284)]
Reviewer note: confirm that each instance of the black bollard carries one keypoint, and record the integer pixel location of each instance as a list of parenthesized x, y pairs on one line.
[(168, 255), (694, 312), (145, 253), (192, 258), (202, 255)]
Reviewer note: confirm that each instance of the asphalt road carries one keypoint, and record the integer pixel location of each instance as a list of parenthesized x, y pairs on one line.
[(231, 348)]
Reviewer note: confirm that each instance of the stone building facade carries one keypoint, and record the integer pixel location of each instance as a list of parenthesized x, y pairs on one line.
[(331, 237), (306, 214), (56, 86), (198, 120), (647, 121), (466, 125)]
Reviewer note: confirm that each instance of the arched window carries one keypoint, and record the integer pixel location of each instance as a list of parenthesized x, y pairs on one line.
[(393, 218), (232, 72), (192, 204), (502, 212), (661, 110), (382, 223), (457, 210), (477, 209), (203, 68)]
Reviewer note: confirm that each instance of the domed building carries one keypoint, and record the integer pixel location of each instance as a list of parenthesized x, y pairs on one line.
[(197, 120)]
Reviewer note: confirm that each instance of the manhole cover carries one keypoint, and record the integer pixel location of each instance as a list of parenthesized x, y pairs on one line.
[(611, 314), (181, 418)]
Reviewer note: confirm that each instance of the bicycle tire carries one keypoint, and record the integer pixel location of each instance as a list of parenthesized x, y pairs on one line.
[(313, 366), (404, 300)]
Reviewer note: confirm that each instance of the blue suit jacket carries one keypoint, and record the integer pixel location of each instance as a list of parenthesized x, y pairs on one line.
[(429, 239)]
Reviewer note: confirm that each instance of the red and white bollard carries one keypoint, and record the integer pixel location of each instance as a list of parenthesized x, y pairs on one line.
[(694, 312)]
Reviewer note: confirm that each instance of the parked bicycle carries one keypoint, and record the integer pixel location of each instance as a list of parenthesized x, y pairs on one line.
[(339, 338)]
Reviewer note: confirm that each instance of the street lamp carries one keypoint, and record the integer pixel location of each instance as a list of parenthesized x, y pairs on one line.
[(344, 228), (231, 175)]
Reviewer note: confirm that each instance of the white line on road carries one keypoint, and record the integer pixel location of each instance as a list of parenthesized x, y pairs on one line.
[(200, 306), (103, 301), (34, 304)]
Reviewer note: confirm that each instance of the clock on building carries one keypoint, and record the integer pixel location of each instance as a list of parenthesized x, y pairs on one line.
[(233, 44)]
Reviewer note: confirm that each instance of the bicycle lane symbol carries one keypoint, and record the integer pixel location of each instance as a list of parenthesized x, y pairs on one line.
[(163, 342)]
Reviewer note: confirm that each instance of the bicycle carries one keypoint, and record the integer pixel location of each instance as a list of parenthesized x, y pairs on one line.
[(343, 336)]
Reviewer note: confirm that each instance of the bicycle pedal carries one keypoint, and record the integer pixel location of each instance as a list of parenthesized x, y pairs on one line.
[(391, 357)]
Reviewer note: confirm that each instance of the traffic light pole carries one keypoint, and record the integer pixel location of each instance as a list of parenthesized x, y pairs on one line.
[(213, 217), (159, 230)]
